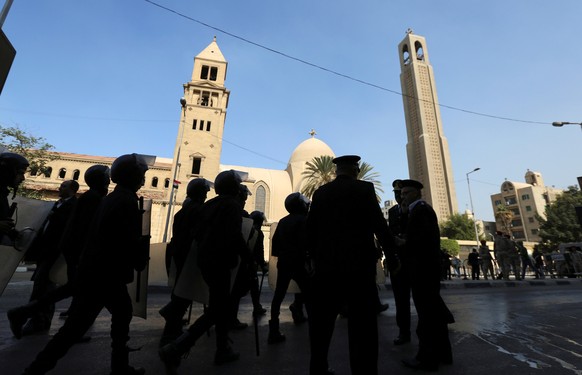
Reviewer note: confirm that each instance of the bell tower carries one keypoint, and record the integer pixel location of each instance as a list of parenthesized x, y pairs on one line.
[(427, 149), (203, 114)]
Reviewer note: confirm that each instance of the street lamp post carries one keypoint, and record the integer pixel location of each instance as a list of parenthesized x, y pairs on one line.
[(472, 210), (559, 124), (165, 237)]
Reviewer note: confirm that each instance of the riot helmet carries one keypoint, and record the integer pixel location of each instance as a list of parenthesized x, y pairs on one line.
[(12, 169), (258, 218), (227, 183), (98, 177), (129, 171), (297, 203), (197, 189)]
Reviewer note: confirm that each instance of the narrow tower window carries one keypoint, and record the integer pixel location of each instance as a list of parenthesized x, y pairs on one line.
[(166, 183), (194, 124), (154, 182), (196, 162), (208, 126), (405, 55), (213, 73)]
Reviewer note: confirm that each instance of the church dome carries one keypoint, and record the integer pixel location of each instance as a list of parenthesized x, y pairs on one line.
[(309, 149), (306, 151)]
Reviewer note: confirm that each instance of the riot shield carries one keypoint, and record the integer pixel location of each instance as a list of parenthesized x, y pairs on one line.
[(138, 289), (29, 218), (191, 285), (293, 287)]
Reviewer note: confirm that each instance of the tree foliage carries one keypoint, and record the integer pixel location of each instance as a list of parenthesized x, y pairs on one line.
[(503, 214), (458, 227), (451, 247), (561, 223), (35, 149), (321, 170)]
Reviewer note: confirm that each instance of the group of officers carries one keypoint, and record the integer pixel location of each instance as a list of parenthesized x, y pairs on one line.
[(330, 246)]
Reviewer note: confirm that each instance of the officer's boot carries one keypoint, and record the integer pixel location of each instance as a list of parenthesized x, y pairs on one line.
[(19, 315), (172, 353), (297, 313), (120, 363), (275, 336)]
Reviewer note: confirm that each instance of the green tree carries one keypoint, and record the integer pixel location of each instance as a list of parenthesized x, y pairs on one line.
[(452, 247), (561, 223), (321, 170), (503, 214), (458, 227), (35, 149), (366, 174)]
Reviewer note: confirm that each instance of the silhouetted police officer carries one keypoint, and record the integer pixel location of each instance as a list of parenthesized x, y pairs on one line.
[(71, 245), (400, 280), (183, 234), (220, 244), (290, 249), (112, 252), (422, 251), (46, 246), (12, 169), (341, 225)]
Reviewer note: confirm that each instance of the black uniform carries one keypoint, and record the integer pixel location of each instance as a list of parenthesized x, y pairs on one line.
[(48, 251), (178, 248), (220, 244), (341, 224), (112, 253), (71, 245), (289, 247), (400, 280), (422, 250)]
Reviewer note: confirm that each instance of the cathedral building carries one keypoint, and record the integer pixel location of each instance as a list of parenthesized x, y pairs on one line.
[(197, 154)]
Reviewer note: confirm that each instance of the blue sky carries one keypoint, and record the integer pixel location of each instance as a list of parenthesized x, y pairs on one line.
[(105, 78)]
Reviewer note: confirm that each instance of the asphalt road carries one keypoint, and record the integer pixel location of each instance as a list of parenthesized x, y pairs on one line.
[(515, 328)]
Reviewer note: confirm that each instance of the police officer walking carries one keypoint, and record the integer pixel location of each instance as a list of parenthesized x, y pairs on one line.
[(71, 245), (114, 244), (400, 280), (290, 249), (220, 244), (177, 251), (422, 249), (342, 223)]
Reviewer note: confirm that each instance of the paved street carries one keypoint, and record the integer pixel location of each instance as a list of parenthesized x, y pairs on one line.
[(517, 327)]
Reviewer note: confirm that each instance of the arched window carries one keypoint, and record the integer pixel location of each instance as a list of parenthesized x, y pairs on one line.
[(76, 174), (166, 183), (154, 182), (62, 172), (260, 199), (48, 171), (419, 51), (405, 55)]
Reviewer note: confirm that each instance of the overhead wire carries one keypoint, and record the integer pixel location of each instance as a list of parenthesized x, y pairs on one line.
[(331, 71)]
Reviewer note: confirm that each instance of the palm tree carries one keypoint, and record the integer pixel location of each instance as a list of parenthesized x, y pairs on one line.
[(366, 174), (321, 170)]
